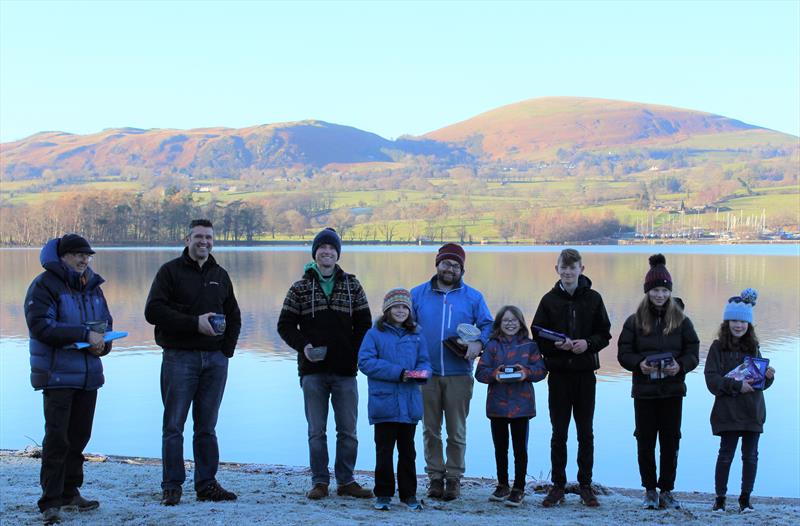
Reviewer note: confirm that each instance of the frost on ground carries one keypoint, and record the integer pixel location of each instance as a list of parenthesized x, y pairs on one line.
[(129, 492)]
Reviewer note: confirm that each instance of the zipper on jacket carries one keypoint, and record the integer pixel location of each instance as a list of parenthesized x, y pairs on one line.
[(441, 334)]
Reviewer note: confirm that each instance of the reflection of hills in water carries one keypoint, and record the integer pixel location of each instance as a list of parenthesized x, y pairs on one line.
[(261, 278)]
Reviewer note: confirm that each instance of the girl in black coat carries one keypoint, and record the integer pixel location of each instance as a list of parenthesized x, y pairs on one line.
[(739, 409), (659, 345)]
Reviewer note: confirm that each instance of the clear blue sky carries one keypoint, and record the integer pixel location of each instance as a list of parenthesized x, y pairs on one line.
[(390, 68)]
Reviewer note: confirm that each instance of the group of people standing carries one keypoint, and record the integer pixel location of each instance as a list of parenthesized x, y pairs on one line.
[(418, 357)]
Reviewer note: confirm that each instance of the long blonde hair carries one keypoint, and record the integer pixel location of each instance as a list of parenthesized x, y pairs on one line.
[(646, 320)]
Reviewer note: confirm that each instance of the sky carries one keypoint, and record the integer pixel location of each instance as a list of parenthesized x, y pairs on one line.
[(391, 68)]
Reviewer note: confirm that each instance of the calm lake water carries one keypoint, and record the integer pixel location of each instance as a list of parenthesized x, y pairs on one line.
[(261, 419)]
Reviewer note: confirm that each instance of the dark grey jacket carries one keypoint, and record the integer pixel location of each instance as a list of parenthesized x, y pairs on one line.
[(733, 410)]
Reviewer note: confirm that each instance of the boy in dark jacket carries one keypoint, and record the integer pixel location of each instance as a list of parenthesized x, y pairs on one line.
[(572, 308), (60, 304), (324, 318)]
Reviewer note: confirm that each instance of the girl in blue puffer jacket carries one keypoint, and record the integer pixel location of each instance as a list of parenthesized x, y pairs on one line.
[(510, 364), (394, 358)]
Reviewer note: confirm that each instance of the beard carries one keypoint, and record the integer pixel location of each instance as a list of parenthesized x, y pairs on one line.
[(446, 277)]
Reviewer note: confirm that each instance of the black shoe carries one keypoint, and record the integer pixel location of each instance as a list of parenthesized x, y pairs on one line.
[(744, 504), (667, 501), (171, 496), (215, 493), (554, 497), (436, 489), (413, 504), (719, 505), (501, 493), (515, 498), (452, 489), (51, 515), (81, 503)]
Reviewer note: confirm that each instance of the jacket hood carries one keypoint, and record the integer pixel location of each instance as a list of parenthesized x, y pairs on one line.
[(584, 283), (50, 261)]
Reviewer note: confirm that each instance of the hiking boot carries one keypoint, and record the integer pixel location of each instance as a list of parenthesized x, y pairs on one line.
[(412, 503), (215, 493), (319, 491), (353, 489), (554, 497), (51, 515), (452, 489), (171, 496), (501, 493), (588, 497), (515, 498), (667, 501), (744, 504), (650, 501), (82, 504), (436, 489), (719, 505), (383, 503)]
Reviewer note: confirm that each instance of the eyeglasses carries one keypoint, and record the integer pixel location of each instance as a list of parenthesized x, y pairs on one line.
[(510, 322), (81, 255), (450, 266)]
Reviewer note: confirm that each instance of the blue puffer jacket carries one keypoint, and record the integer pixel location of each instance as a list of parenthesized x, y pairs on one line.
[(383, 356), (439, 313), (58, 304)]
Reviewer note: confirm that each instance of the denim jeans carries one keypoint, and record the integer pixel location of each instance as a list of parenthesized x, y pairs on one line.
[(727, 449), (197, 379), (342, 391)]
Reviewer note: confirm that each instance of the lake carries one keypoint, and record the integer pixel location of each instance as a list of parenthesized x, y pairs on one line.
[(262, 421)]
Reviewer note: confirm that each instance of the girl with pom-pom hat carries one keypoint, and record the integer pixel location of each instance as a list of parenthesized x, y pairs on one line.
[(659, 345), (739, 409)]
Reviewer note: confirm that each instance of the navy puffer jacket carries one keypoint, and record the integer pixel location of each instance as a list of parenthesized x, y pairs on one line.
[(58, 304)]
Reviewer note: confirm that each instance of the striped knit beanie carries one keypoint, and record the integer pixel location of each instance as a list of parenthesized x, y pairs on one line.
[(658, 275), (396, 297)]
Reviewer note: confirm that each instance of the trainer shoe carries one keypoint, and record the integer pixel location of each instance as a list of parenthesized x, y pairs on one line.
[(353, 489), (515, 498), (215, 493), (81, 503), (436, 489), (554, 497), (319, 491), (588, 497), (719, 505), (501, 493), (412, 503), (171, 496), (452, 489), (650, 501), (666, 500), (383, 503), (51, 515), (744, 504)]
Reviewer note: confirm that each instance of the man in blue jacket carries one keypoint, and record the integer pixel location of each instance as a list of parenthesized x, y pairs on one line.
[(61, 305), (440, 305)]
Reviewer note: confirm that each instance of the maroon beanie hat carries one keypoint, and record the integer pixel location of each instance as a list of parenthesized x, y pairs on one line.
[(658, 275), (451, 251)]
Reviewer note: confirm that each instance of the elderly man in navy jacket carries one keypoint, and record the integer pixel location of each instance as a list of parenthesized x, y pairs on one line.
[(63, 304)]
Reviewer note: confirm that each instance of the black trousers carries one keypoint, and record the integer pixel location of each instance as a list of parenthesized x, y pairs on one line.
[(571, 394), (658, 418), (68, 417), (727, 449), (386, 436), (519, 440)]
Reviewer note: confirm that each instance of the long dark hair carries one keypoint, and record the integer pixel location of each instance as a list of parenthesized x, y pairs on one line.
[(747, 344), (498, 322), (409, 324)]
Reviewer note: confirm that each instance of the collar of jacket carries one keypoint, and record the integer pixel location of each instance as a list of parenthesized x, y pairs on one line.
[(435, 285), (192, 263), (584, 284)]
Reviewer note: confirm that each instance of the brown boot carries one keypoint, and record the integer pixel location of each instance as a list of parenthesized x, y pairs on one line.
[(436, 489), (319, 491), (354, 489), (452, 489), (554, 497)]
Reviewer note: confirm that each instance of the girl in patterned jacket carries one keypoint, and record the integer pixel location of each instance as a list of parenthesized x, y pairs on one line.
[(510, 364)]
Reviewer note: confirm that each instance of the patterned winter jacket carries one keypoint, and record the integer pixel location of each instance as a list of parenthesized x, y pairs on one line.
[(338, 322), (511, 399)]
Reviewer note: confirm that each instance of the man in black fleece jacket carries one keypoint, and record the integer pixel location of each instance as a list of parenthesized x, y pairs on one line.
[(572, 308), (186, 292), (327, 308)]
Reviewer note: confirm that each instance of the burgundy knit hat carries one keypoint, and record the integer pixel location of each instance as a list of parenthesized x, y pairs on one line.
[(658, 275), (451, 251)]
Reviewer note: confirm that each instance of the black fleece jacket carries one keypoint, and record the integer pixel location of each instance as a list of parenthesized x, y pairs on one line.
[(581, 316), (338, 322), (181, 292)]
